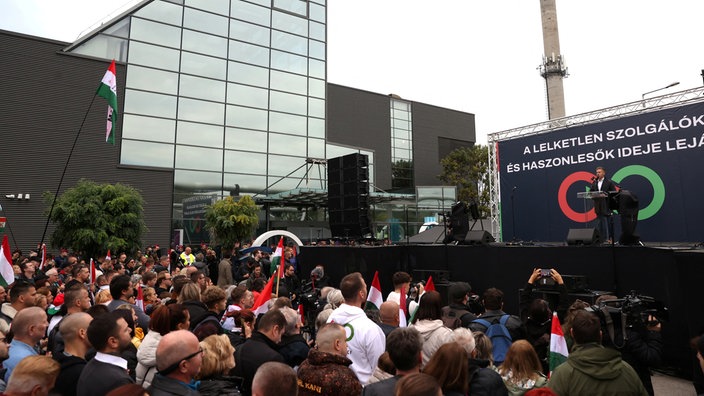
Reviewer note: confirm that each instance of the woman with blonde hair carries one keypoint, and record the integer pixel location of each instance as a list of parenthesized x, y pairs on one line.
[(522, 371), (484, 348), (218, 360)]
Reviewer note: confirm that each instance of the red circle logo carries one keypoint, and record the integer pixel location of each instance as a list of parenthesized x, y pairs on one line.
[(580, 217)]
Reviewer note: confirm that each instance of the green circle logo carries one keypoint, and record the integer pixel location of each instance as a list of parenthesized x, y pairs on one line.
[(349, 326), (654, 179)]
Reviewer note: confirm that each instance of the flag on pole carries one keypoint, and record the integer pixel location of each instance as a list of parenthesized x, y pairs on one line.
[(92, 271), (374, 297), (139, 301), (402, 310), (430, 285), (276, 259), (558, 345), (107, 256), (108, 90), (41, 265), (261, 306), (7, 274)]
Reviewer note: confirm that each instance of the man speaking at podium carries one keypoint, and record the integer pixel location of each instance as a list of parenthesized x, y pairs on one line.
[(601, 205)]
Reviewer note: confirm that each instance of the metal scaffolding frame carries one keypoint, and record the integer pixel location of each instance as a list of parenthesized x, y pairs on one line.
[(675, 99)]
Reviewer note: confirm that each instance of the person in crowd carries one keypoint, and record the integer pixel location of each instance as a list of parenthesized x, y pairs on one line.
[(293, 285), (322, 318), (457, 313), (522, 370), (198, 277), (211, 262), (22, 295), (225, 275), (165, 319), (28, 269), (418, 384), (163, 283), (151, 301), (493, 301), (74, 332), (109, 334), (254, 275), (187, 257), (241, 299), (384, 369), (35, 375), (389, 317), (402, 284), (577, 305), (190, 297), (3, 295), (319, 278), (76, 299), (601, 205), (4, 354), (326, 371), (591, 368), (246, 266), (368, 341), (260, 348), (334, 299), (450, 367), (149, 279), (215, 300), (293, 347), (178, 360), (484, 380), (274, 379), (130, 352), (218, 360), (121, 290), (428, 322), (29, 327), (404, 346)]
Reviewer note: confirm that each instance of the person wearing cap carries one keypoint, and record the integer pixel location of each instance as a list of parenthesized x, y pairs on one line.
[(457, 311)]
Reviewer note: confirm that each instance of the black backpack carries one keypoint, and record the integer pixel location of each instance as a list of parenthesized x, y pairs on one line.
[(452, 317)]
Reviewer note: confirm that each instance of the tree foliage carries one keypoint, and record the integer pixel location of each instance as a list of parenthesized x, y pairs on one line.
[(468, 169), (230, 220), (92, 218)]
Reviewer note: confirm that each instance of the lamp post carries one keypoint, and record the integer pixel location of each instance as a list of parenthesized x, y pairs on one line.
[(659, 89)]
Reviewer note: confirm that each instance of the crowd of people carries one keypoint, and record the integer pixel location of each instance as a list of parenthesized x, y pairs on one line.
[(188, 323)]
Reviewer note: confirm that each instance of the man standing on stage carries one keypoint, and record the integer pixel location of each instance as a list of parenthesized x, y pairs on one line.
[(601, 205)]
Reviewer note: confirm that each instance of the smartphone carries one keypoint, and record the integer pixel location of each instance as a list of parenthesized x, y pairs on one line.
[(545, 273)]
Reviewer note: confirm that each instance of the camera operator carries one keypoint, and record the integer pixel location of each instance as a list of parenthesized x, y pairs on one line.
[(643, 346), (458, 313)]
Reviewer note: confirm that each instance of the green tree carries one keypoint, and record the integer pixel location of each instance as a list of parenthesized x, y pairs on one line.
[(230, 221), (92, 218), (468, 169)]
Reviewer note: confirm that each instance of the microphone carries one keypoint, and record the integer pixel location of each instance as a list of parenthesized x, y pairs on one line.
[(593, 178), (515, 188)]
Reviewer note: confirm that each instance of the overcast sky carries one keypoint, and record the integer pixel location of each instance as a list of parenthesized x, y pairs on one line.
[(474, 56)]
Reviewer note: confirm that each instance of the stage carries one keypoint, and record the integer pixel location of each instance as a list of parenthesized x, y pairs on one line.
[(671, 273)]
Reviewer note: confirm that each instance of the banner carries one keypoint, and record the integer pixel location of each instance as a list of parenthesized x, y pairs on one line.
[(657, 156)]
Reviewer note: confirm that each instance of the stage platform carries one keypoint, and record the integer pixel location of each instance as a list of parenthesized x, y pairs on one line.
[(672, 273)]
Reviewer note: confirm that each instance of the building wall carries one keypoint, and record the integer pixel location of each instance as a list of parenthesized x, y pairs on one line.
[(45, 97)]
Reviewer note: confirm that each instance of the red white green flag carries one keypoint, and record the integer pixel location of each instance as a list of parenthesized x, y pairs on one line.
[(558, 345), (402, 310), (374, 297), (261, 306), (108, 90), (430, 285), (7, 274)]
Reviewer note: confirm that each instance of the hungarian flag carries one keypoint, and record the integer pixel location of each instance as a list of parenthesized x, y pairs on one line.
[(261, 306), (7, 274), (558, 345), (139, 301), (108, 90), (374, 297), (92, 272), (277, 260), (107, 256), (402, 310), (430, 285), (41, 265)]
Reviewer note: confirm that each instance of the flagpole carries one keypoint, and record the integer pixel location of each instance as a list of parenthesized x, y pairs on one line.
[(61, 180)]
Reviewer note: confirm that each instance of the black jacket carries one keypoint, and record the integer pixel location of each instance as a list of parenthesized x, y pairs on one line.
[(294, 349), (71, 368), (220, 386), (484, 381), (165, 386), (254, 352), (602, 205)]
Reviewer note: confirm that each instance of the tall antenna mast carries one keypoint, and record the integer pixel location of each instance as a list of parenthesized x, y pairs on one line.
[(553, 68)]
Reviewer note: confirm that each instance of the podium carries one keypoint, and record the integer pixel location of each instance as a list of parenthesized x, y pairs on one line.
[(625, 203)]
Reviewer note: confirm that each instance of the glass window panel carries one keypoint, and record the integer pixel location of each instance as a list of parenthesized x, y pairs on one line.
[(148, 128), (319, 1), (400, 114), (287, 123), (120, 28), (317, 12), (198, 158), (245, 139), (288, 103), (247, 183), (289, 23), (294, 6), (247, 96), (104, 47), (245, 162), (316, 68), (249, 53), (289, 82), (400, 124), (256, 34), (147, 103), (250, 12), (218, 7), (244, 117), (155, 33), (199, 134), (162, 11), (402, 144), (316, 107), (287, 144), (399, 105), (201, 111), (316, 127), (316, 49), (248, 74), (197, 180), (205, 22), (316, 148), (204, 43), (288, 62), (280, 165), (154, 56), (289, 42), (285, 184), (202, 88), (334, 151), (146, 154), (317, 30), (316, 87), (152, 79), (201, 65)]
